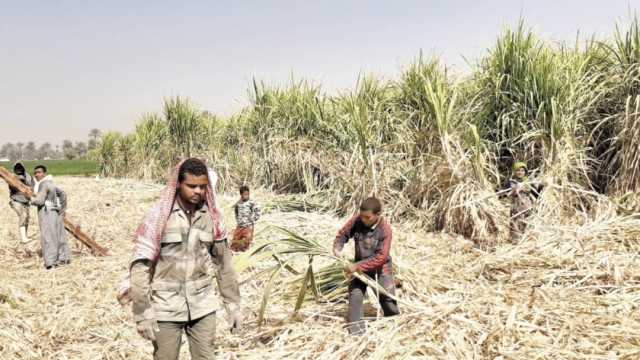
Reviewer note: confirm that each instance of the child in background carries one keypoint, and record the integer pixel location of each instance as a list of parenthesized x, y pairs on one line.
[(247, 214), (372, 235)]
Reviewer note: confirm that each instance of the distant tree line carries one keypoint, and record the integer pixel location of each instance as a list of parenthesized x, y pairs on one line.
[(67, 150)]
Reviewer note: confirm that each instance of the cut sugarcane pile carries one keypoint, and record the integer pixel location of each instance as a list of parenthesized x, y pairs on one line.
[(567, 291)]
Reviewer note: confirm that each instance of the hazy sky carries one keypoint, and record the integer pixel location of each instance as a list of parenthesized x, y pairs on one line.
[(69, 66)]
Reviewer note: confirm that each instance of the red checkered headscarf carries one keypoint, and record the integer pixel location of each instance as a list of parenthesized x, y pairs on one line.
[(149, 234)]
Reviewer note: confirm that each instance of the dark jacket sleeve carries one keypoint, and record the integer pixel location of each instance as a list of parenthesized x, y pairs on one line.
[(537, 190), (256, 211), (381, 256), (345, 233)]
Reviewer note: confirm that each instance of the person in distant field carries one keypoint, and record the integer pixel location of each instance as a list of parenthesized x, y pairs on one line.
[(247, 214), (19, 202), (52, 204), (523, 194), (372, 235)]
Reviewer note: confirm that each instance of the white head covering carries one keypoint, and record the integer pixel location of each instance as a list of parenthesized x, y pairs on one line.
[(213, 178), (36, 187)]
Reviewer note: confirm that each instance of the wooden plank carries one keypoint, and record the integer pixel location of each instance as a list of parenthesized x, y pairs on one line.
[(74, 229)]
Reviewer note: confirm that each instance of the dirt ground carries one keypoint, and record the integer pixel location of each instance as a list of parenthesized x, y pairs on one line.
[(545, 299)]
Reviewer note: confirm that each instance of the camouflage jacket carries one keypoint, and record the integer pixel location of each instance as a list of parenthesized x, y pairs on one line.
[(179, 285)]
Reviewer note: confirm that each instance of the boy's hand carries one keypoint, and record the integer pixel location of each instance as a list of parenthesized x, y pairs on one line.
[(351, 268)]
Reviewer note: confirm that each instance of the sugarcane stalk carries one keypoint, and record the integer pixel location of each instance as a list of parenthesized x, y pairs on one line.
[(74, 229), (372, 283)]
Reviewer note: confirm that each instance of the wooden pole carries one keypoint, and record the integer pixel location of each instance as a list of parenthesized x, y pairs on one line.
[(74, 229)]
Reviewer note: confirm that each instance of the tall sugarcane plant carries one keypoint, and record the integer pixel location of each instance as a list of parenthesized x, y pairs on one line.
[(430, 142), (150, 146), (184, 126)]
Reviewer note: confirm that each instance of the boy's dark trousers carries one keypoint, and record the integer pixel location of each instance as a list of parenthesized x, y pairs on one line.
[(357, 290)]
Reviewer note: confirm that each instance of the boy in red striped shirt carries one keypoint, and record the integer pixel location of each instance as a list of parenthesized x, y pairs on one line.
[(372, 236)]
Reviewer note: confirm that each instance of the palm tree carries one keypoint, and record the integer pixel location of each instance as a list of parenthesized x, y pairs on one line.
[(94, 138), (20, 148)]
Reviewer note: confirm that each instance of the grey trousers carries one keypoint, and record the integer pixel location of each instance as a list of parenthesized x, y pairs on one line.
[(200, 334), (64, 253), (357, 291), (55, 249)]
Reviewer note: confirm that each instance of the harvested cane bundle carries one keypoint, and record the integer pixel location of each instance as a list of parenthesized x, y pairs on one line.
[(328, 284)]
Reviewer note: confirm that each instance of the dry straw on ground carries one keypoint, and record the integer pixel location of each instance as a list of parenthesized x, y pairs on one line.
[(568, 291)]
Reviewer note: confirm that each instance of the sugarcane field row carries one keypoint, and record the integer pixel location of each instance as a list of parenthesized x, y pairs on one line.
[(511, 193), (564, 292)]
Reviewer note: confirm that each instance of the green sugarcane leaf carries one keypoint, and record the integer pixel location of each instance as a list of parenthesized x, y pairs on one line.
[(312, 276), (286, 265), (267, 293), (303, 290)]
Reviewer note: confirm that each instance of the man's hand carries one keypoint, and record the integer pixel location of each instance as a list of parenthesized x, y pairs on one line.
[(148, 329), (337, 252), (236, 320)]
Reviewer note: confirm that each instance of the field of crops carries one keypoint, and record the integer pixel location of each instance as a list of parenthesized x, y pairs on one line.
[(565, 292), (62, 167), (436, 148), (433, 145)]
